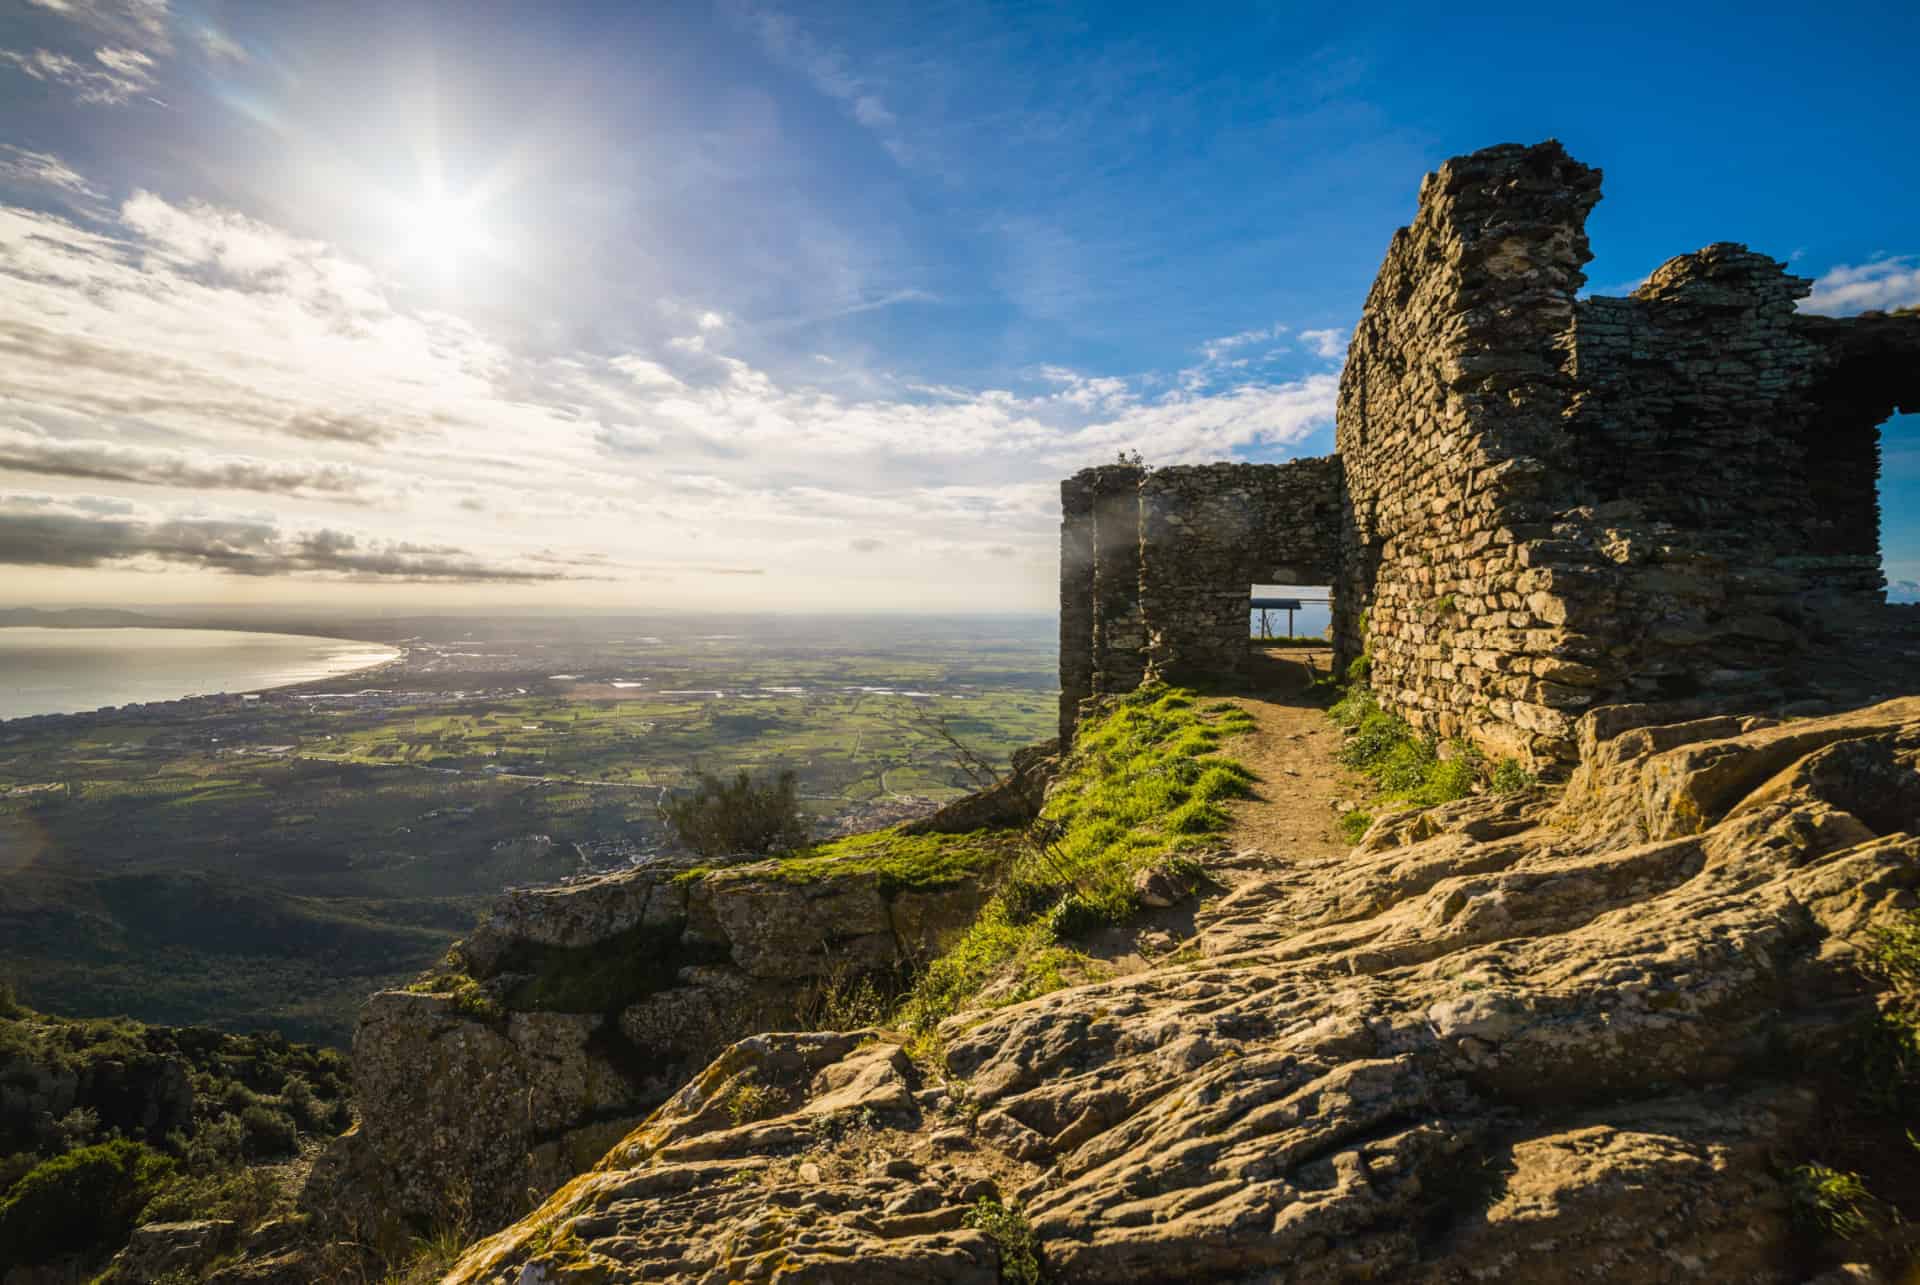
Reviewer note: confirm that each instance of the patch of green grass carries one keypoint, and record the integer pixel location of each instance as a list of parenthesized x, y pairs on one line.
[(903, 862), (1886, 1054), (1143, 784), (1833, 1201), (1406, 767), (467, 995), (1353, 825)]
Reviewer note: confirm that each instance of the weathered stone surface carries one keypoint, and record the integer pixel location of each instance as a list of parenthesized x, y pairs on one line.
[(1155, 566), (1612, 1025), (475, 1114), (157, 1249)]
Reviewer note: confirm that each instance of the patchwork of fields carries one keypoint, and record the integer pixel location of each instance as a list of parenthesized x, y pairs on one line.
[(267, 862)]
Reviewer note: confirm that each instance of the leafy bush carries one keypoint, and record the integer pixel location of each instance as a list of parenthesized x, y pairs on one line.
[(269, 1134), (1887, 1053), (1013, 1236), (84, 1199), (1510, 778), (730, 818)]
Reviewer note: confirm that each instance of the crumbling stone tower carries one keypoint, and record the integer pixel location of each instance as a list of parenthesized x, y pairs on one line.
[(1540, 505)]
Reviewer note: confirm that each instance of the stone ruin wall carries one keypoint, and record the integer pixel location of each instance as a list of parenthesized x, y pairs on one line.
[(1452, 389), (1156, 565), (1544, 504), (1560, 504)]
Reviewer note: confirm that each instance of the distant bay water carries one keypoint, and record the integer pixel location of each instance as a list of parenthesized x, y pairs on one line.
[(66, 671)]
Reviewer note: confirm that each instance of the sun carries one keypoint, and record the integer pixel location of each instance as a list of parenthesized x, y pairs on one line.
[(442, 231)]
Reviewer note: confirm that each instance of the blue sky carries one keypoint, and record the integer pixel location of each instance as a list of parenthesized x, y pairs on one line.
[(618, 304)]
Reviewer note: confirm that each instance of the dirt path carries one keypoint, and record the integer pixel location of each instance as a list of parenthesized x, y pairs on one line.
[(1286, 828), (1291, 751)]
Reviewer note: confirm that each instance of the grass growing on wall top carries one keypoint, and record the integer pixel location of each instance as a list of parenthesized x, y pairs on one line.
[(1143, 783)]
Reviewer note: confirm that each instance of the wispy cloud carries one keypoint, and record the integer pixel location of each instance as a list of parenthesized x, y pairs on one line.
[(37, 531), (41, 169), (788, 44), (142, 24), (181, 348), (1883, 284), (118, 76), (1331, 344), (24, 452)]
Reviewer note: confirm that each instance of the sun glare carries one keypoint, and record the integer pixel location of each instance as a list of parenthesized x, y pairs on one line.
[(441, 231)]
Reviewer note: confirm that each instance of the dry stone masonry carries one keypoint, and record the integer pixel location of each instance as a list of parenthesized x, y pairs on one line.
[(1541, 504), (1155, 565)]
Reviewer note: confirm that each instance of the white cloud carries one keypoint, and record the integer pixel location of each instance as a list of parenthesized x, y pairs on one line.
[(1215, 349), (1882, 285), (1331, 344), (122, 74), (40, 453), (1904, 591), (41, 169), (141, 23), (219, 47), (647, 374), (186, 351)]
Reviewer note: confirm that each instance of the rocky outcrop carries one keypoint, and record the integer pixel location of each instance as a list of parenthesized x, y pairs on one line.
[(1015, 800), (142, 1094), (1520, 1041), (581, 1007), (158, 1250)]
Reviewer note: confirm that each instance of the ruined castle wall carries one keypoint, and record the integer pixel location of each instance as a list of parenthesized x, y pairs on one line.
[(1076, 597), (1450, 404), (1208, 533), (1156, 566), (1557, 505), (1547, 504), (1119, 629)]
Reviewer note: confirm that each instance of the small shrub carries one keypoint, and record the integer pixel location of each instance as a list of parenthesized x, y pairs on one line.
[(748, 1101), (269, 1134), (731, 818), (1832, 1201), (1354, 825), (1013, 1236), (1510, 778), (244, 1195), (10, 1006), (84, 1199)]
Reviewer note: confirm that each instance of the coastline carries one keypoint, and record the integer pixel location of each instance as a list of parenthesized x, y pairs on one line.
[(332, 670)]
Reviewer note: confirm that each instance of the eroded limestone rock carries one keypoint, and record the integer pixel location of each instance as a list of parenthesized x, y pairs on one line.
[(1514, 1042), (582, 1008)]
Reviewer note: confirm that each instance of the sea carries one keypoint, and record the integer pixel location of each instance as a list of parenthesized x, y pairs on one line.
[(67, 671)]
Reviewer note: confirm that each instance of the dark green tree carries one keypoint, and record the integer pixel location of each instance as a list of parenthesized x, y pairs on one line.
[(741, 817)]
